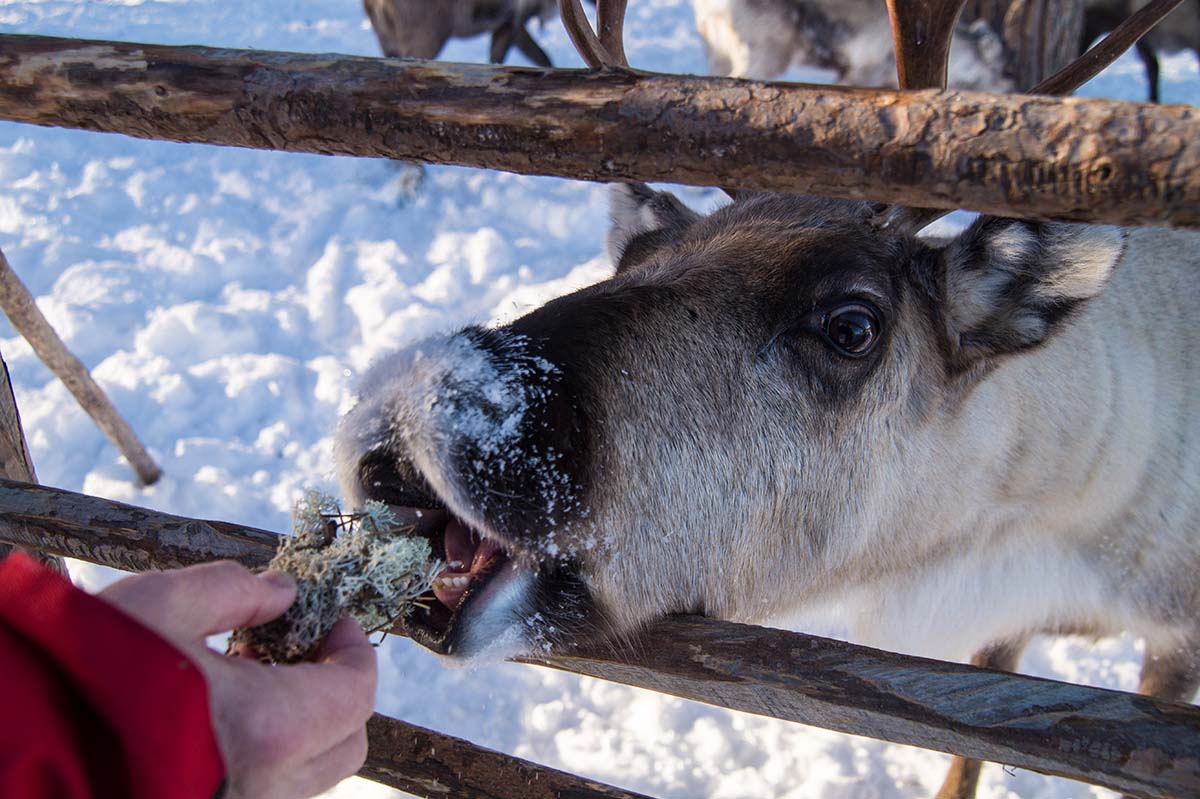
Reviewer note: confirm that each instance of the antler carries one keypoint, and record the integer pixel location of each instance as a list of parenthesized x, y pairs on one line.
[(609, 49), (921, 32), (1065, 81), (610, 22)]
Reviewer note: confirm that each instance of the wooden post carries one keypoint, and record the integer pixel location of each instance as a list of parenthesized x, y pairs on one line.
[(15, 462), (22, 311), (1126, 742), (1013, 155)]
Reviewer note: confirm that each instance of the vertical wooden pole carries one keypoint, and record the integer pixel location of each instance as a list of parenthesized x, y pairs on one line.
[(19, 306), (15, 463)]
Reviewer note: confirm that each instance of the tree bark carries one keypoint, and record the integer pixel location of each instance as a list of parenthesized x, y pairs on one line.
[(1130, 743), (1038, 157), (1041, 36), (22, 311)]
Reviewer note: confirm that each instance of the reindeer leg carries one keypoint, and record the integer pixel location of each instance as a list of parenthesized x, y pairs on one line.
[(963, 776), (1173, 675), (530, 48), (502, 41), (1150, 61)]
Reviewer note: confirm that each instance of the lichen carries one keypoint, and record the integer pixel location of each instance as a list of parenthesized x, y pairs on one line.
[(363, 564)]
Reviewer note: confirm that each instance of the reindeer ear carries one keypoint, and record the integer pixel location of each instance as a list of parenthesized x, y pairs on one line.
[(1008, 284), (642, 221)]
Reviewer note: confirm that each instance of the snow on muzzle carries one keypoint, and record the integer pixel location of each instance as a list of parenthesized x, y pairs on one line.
[(474, 440)]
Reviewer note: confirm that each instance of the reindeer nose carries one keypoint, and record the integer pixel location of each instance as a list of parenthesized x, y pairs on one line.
[(513, 431)]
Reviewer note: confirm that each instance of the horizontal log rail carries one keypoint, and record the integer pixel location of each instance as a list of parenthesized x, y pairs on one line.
[(429, 764), (1130, 743), (1016, 155)]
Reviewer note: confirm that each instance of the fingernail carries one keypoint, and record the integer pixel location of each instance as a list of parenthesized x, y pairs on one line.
[(281, 581)]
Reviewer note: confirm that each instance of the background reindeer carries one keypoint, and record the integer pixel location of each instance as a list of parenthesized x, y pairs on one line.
[(421, 28), (761, 39)]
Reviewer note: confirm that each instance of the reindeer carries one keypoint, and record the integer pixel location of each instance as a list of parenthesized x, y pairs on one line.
[(761, 39), (1182, 32), (796, 402), (780, 405), (421, 28)]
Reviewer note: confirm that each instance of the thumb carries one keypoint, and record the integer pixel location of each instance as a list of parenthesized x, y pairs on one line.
[(203, 600)]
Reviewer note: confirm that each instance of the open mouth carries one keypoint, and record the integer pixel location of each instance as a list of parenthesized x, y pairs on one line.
[(472, 563)]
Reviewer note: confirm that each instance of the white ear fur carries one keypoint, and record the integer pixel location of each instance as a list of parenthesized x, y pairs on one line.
[(637, 210), (631, 213), (1087, 255)]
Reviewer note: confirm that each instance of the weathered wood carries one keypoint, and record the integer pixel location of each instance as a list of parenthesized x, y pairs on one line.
[(1122, 741), (15, 463), (429, 764), (22, 312), (121, 536), (1078, 159), (1126, 742)]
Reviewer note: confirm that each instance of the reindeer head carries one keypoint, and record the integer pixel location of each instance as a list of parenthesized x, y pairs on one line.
[(726, 426)]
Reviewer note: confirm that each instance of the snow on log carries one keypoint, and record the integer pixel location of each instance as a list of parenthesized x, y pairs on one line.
[(1130, 743), (1016, 155)]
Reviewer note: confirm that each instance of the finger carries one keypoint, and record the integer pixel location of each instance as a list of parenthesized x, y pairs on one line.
[(203, 600), (347, 643), (335, 694), (329, 768)]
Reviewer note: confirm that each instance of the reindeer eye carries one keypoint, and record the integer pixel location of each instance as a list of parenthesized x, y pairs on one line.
[(852, 329)]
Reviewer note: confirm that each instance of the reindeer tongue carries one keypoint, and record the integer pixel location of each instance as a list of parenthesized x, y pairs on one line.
[(460, 542), (470, 554)]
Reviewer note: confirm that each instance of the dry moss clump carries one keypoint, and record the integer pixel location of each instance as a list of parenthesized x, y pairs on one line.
[(363, 565)]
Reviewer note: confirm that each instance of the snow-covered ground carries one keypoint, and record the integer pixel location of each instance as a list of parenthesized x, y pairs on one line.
[(227, 299)]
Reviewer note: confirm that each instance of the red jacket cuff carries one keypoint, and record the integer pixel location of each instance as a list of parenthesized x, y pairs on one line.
[(113, 700)]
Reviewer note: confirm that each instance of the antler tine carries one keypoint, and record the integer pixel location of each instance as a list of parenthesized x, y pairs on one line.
[(921, 32), (1065, 81), (581, 33), (1120, 39), (609, 49), (610, 22)]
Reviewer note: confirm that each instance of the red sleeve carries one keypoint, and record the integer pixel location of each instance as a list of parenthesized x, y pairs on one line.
[(95, 705)]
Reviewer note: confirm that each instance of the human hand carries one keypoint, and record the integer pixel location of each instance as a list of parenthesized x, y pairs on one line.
[(284, 731)]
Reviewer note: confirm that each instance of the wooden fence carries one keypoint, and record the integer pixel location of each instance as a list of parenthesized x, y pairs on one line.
[(1013, 155), (1089, 160), (1127, 742)]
